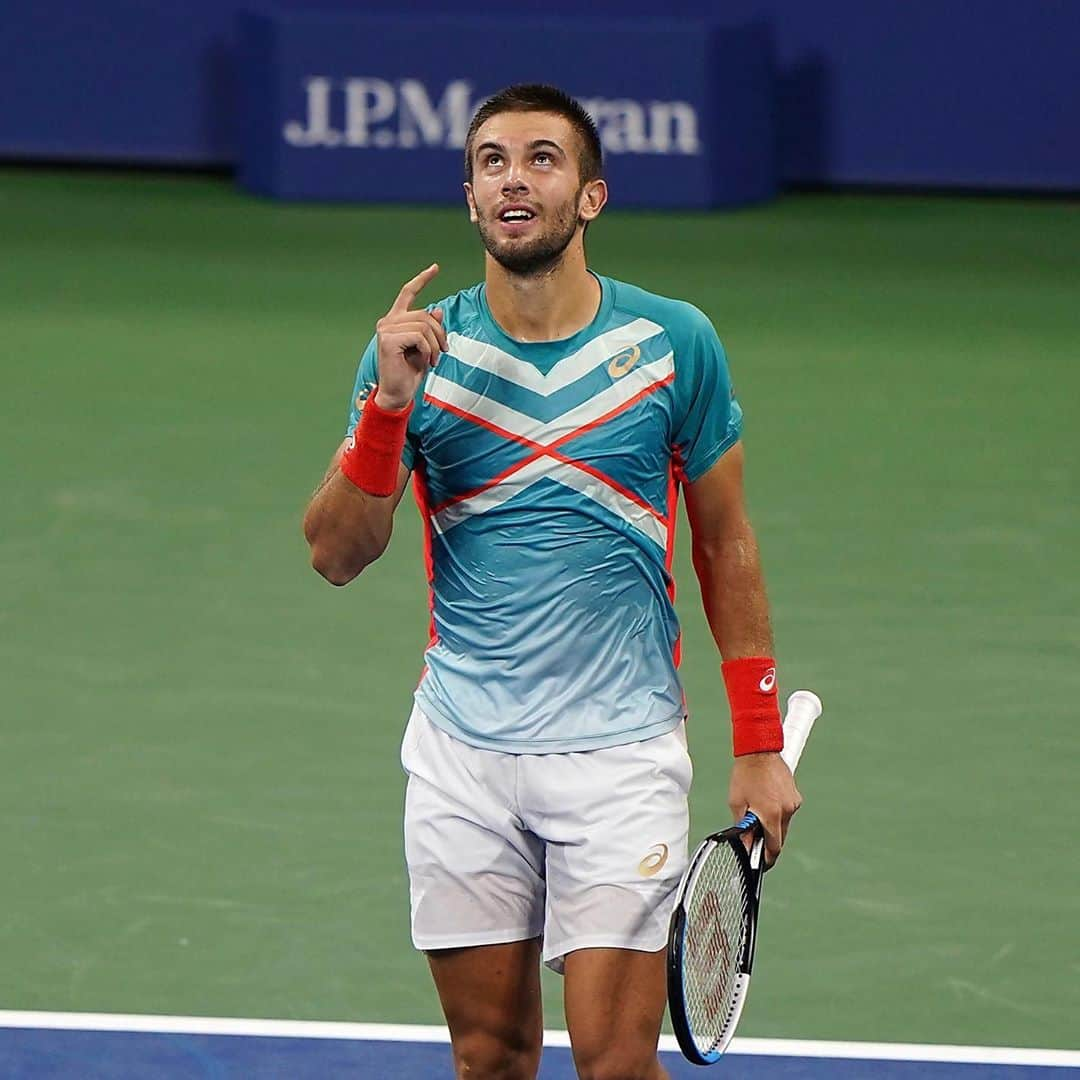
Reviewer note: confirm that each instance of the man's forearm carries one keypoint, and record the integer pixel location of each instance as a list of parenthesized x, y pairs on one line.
[(728, 567), (346, 528), (733, 592)]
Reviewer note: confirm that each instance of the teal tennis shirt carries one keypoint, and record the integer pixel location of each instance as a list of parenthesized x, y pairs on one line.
[(547, 476)]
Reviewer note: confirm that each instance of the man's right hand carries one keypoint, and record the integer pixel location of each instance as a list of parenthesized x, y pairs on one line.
[(409, 342)]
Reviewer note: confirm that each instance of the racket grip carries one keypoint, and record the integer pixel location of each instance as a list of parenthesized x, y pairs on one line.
[(803, 708)]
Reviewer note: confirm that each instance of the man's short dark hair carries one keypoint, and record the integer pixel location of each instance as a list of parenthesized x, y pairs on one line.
[(539, 97)]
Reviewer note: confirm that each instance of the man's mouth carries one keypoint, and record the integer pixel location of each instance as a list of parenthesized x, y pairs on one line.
[(515, 215)]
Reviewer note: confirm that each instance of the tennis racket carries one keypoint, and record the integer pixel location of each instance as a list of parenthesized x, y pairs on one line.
[(714, 924)]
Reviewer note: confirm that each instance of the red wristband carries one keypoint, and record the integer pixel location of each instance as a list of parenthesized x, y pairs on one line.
[(755, 708), (373, 451)]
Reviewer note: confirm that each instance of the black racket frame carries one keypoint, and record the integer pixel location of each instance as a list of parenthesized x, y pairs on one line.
[(735, 837)]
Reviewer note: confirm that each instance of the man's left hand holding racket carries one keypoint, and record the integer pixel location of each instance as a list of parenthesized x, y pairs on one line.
[(763, 785)]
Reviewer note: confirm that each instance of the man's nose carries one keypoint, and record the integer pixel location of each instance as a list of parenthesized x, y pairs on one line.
[(515, 179)]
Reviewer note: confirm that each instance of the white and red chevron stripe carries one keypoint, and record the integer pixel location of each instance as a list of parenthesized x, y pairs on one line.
[(490, 358), (544, 438), (521, 427)]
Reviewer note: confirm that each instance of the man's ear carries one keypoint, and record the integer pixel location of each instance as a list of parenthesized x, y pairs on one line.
[(594, 196), (473, 217)]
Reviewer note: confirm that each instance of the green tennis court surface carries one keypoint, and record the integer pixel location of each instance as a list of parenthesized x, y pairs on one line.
[(201, 794)]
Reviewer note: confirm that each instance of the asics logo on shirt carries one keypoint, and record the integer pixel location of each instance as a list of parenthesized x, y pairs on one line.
[(768, 683), (653, 863), (365, 393), (622, 362)]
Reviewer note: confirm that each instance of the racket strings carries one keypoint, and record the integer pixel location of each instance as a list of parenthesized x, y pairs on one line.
[(716, 920)]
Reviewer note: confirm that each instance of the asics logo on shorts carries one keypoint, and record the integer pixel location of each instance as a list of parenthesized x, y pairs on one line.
[(653, 863), (768, 683)]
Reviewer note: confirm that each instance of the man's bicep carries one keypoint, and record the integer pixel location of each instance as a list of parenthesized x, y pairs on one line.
[(715, 503), (706, 418)]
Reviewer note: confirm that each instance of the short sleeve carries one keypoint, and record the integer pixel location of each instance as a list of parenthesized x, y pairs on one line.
[(707, 418), (367, 375)]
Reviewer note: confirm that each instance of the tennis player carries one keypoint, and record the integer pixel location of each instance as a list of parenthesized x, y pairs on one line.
[(548, 417)]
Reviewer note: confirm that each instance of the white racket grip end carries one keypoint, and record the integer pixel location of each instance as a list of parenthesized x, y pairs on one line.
[(803, 708)]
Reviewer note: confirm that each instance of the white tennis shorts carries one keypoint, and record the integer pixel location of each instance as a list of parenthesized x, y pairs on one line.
[(585, 849)]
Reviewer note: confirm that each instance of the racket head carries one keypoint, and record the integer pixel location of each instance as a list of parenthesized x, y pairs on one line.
[(701, 1038), (711, 945)]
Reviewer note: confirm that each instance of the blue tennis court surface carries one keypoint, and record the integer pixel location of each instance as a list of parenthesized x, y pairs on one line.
[(66, 1050)]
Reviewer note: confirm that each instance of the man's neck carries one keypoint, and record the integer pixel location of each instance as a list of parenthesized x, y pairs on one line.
[(552, 305)]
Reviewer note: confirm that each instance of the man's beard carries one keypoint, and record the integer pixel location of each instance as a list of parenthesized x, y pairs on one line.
[(537, 256)]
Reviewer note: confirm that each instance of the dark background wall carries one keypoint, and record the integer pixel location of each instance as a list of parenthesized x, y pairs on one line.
[(924, 92)]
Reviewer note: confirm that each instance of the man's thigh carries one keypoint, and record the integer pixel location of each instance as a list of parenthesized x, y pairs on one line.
[(616, 825), (490, 995), (476, 875), (615, 1002)]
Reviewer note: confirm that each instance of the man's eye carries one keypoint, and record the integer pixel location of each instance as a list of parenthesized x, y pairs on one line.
[(543, 159), (493, 159)]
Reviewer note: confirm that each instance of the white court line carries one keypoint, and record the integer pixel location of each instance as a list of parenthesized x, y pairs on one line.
[(431, 1033)]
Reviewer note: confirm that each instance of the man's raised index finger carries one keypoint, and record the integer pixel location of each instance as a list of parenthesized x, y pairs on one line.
[(412, 288)]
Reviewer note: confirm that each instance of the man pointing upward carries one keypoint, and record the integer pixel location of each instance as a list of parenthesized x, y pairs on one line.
[(549, 417)]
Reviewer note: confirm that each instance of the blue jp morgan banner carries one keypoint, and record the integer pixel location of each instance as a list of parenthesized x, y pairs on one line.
[(372, 108)]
